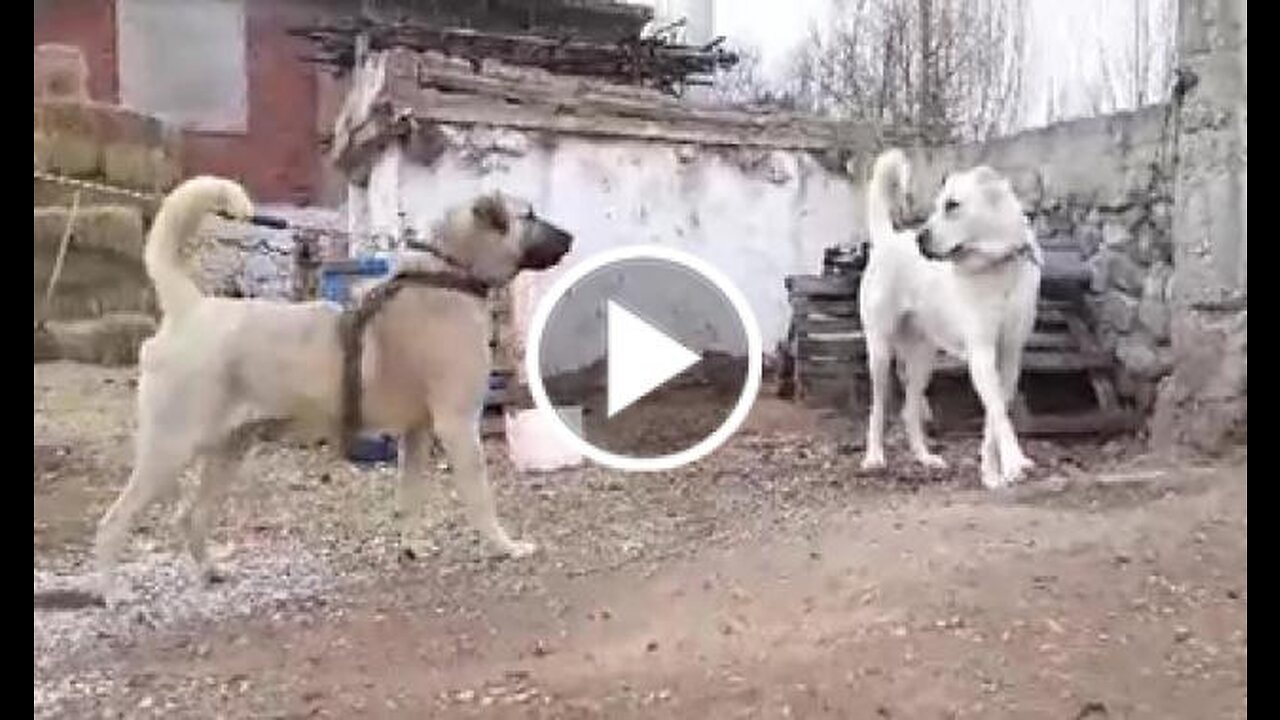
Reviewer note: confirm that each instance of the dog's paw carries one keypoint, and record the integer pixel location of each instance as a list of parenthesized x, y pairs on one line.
[(417, 550), (213, 574), (112, 592), (1017, 470), (932, 461), (993, 480), (518, 549), (872, 462)]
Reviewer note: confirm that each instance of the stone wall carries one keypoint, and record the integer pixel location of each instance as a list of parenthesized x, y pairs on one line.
[(1204, 404), (240, 260)]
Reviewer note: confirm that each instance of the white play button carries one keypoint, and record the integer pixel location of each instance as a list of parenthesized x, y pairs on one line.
[(640, 357), (643, 357)]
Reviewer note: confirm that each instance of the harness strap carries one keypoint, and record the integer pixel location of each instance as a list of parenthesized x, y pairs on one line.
[(352, 324)]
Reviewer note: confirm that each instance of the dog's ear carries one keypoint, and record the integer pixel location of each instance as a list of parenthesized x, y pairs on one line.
[(995, 188), (984, 174), (491, 211)]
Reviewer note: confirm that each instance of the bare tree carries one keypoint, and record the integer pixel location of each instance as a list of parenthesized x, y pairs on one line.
[(1127, 60), (944, 69), (1141, 72)]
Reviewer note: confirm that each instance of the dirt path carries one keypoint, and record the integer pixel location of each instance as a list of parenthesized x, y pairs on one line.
[(931, 607), (777, 585)]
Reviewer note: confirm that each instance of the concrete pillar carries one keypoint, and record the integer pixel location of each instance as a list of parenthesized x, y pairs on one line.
[(1204, 403)]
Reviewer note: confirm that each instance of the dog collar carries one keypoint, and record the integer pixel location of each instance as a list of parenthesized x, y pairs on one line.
[(1024, 251), (463, 281), (443, 280), (426, 247)]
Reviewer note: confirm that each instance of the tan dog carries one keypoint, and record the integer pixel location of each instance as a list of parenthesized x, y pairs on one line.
[(966, 283), (218, 369)]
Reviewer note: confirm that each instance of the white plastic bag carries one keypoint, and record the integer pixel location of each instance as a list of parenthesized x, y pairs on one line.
[(534, 444)]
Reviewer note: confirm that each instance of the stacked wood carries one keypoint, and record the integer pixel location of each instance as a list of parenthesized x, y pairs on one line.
[(651, 62)]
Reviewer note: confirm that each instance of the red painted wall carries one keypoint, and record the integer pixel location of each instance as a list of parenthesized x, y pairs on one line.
[(278, 159)]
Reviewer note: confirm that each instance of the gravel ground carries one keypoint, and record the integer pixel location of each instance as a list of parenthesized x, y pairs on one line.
[(770, 580)]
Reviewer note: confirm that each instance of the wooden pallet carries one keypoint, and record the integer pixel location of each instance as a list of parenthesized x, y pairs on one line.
[(825, 341)]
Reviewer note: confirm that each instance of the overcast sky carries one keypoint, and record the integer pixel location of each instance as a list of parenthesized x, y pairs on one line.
[(1067, 40)]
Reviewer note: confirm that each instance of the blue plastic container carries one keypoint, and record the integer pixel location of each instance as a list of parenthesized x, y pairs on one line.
[(373, 449), (336, 278)]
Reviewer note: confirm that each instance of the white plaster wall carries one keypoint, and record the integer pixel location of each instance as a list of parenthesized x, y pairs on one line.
[(756, 215)]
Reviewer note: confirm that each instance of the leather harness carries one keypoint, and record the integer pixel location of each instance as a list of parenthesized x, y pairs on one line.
[(355, 320)]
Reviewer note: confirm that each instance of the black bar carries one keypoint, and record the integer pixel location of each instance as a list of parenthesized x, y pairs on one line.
[(270, 221)]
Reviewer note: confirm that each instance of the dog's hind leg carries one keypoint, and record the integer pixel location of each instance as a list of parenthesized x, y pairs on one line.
[(918, 359), (880, 368), (411, 492), (221, 467), (461, 440), (159, 460)]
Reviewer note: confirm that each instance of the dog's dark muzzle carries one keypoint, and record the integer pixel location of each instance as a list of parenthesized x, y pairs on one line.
[(924, 241), (544, 247)]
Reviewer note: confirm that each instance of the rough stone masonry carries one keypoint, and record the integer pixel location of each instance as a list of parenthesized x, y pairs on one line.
[(1204, 402)]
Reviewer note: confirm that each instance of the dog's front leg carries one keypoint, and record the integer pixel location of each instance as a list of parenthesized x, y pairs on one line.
[(997, 429), (461, 440)]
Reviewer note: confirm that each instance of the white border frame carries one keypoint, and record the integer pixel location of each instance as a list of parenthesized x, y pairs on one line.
[(746, 399)]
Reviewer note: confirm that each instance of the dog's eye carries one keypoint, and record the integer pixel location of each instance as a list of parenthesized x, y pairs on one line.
[(951, 206)]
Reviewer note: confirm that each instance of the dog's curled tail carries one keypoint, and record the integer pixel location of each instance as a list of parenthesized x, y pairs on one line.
[(889, 179), (178, 221)]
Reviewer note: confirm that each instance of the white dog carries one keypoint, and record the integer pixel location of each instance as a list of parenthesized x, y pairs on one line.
[(966, 283), (218, 369)]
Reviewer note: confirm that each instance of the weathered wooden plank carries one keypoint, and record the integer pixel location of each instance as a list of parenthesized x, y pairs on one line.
[(809, 325), (830, 308), (842, 287), (1051, 341), (845, 371), (848, 348), (1041, 361)]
